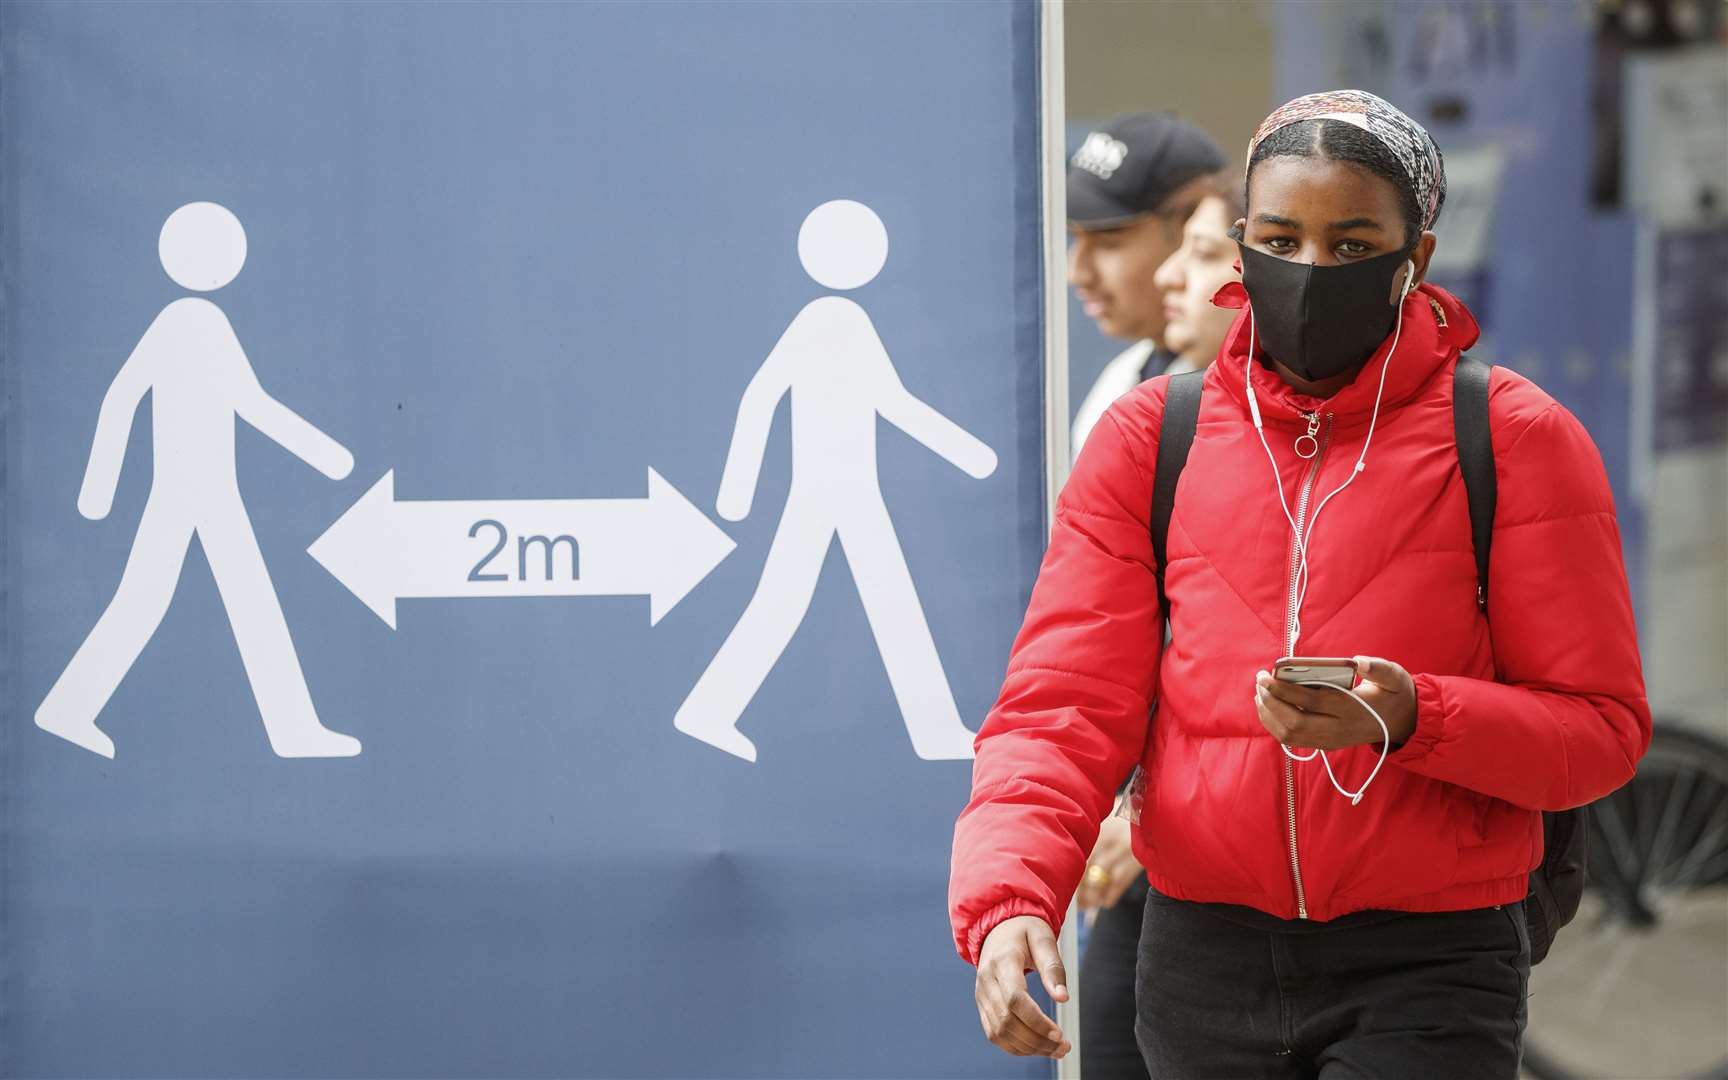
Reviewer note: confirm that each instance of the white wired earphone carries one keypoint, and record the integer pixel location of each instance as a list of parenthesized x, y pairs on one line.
[(1301, 535)]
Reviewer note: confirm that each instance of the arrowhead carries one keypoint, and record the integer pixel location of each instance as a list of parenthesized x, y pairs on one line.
[(357, 549), (690, 546)]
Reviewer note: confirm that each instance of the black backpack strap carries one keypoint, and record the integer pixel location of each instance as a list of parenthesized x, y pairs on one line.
[(1181, 412), (1475, 459)]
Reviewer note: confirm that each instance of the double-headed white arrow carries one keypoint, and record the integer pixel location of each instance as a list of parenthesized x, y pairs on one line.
[(384, 550)]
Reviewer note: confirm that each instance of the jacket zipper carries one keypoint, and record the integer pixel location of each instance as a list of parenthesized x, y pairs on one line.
[(1322, 425)]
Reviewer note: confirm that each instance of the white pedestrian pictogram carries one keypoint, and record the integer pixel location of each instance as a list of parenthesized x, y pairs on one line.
[(199, 380), (841, 380)]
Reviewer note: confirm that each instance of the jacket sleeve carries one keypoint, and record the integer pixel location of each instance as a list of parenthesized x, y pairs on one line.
[(1567, 719), (1070, 722)]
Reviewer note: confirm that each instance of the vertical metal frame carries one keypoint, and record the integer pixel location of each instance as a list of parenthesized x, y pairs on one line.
[(1053, 175), (1053, 126)]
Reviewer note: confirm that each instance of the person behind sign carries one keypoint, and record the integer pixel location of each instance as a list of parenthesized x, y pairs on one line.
[(1131, 186), (1361, 914)]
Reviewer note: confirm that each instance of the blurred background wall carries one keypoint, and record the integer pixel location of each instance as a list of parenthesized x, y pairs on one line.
[(1123, 57)]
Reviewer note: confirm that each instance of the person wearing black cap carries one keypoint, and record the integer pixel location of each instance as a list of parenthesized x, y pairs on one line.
[(1131, 185)]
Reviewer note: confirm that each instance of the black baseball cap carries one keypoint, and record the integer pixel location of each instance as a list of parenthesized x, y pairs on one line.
[(1127, 168)]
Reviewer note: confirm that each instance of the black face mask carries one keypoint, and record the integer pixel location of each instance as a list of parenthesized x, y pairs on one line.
[(1320, 321)]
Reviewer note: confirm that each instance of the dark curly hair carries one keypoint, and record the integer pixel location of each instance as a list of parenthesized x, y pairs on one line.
[(1335, 140)]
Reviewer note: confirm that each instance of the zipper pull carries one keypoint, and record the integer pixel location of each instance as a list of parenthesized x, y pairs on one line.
[(1313, 447)]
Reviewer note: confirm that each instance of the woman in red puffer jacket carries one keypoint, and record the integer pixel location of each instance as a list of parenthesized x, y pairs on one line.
[(1360, 913)]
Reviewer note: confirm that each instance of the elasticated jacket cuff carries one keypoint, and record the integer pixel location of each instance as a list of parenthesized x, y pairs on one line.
[(996, 916), (1430, 721)]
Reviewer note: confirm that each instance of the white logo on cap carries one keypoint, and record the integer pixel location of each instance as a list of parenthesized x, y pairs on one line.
[(1100, 155)]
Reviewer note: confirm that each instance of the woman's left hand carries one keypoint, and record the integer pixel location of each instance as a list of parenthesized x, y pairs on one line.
[(1313, 717)]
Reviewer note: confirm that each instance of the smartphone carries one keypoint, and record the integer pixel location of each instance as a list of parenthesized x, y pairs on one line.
[(1340, 671)]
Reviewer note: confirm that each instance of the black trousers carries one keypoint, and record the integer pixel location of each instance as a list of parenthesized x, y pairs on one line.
[(1107, 1047), (1231, 992)]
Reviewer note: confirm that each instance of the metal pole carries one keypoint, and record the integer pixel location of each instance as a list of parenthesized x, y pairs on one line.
[(1053, 157), (1054, 138)]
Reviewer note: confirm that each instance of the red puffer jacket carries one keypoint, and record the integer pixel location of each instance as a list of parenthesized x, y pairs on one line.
[(1537, 705)]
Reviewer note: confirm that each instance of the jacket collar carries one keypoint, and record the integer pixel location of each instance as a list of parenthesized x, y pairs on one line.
[(1437, 327)]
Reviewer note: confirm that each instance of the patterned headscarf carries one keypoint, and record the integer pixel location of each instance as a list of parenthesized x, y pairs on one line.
[(1408, 140)]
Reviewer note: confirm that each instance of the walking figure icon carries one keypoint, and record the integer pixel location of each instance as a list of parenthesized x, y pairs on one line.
[(199, 380), (841, 379)]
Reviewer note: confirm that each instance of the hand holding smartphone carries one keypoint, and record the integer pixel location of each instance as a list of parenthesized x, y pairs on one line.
[(1339, 671)]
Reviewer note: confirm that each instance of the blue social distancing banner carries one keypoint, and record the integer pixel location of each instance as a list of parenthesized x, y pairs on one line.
[(511, 516)]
